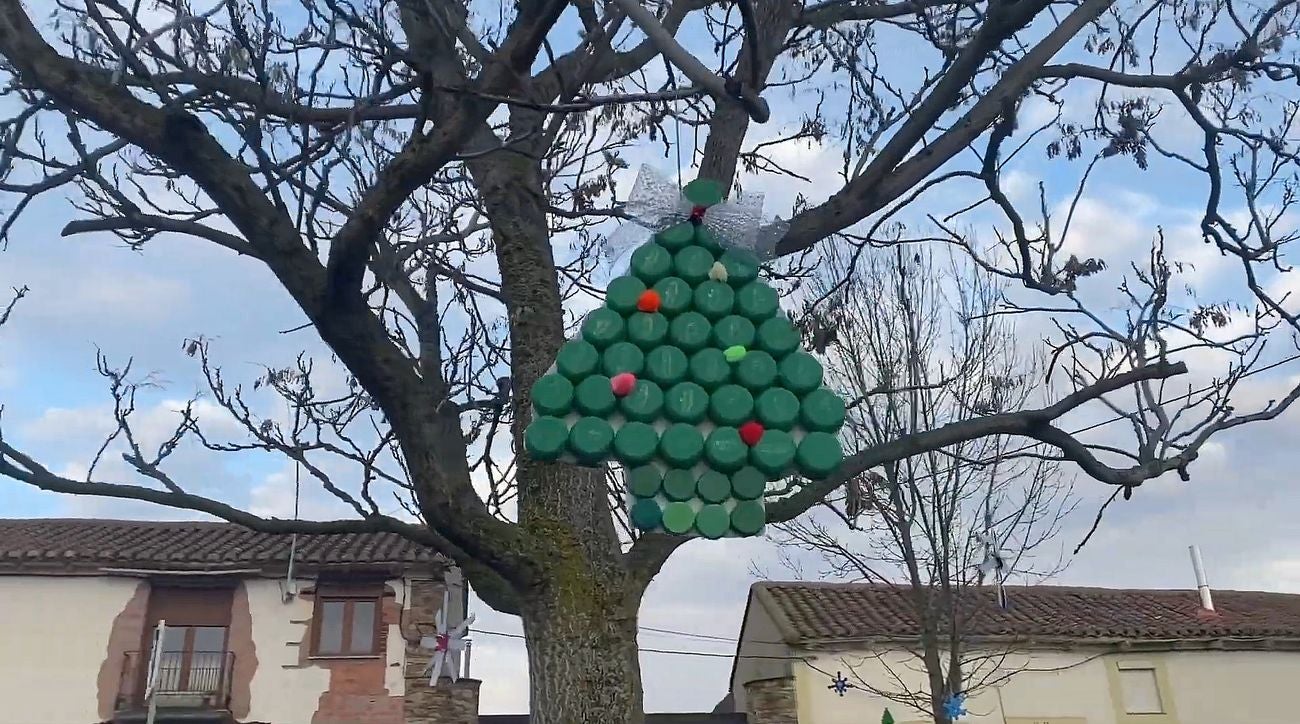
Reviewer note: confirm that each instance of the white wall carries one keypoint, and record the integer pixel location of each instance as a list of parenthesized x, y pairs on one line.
[(1206, 687), (53, 639), (282, 692)]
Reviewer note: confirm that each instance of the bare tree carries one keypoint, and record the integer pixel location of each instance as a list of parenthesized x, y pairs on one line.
[(915, 343), (427, 181)]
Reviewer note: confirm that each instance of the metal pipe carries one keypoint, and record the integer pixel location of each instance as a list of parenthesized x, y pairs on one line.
[(1202, 585)]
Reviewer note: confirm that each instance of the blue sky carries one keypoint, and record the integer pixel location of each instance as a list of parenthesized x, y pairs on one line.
[(91, 293)]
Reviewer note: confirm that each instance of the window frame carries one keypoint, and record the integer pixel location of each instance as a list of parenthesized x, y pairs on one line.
[(1152, 661), (349, 597)]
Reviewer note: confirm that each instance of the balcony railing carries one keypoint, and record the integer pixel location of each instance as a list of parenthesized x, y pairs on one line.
[(189, 679)]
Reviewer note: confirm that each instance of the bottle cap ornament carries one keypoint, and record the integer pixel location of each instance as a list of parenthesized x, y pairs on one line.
[(689, 375)]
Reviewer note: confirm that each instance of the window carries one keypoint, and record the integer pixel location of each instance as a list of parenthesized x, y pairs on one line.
[(346, 625), (1141, 690)]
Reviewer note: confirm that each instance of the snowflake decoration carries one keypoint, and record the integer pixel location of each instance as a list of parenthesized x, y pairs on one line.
[(839, 684), (955, 707)]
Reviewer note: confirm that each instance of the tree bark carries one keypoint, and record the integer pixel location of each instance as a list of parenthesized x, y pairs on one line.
[(582, 651)]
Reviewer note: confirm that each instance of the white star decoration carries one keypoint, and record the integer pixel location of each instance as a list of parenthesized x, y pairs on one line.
[(443, 642)]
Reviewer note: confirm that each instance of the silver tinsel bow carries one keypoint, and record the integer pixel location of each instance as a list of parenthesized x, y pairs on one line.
[(657, 203)]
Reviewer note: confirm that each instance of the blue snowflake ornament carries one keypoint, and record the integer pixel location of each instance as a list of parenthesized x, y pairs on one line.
[(839, 684), (955, 707)]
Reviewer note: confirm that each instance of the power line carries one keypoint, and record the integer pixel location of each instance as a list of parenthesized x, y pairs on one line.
[(675, 652)]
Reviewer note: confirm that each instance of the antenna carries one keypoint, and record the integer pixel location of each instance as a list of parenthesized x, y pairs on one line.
[(290, 587)]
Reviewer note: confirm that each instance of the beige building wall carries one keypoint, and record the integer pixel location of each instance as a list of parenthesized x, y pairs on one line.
[(1079, 687), (282, 691), (53, 639)]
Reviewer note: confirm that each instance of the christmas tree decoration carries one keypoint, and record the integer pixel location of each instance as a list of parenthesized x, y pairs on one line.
[(689, 376), (887, 718), (955, 707), (839, 684)]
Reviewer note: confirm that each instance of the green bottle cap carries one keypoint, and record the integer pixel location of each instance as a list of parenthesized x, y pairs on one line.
[(800, 373), (705, 237), (757, 301), (713, 521), (686, 402), (731, 405), (675, 237), (646, 514), (773, 454), (546, 437), (593, 396), (748, 483), (644, 404), (709, 368), (748, 517), (777, 408), (692, 264), (678, 518), (647, 331), (742, 266), (577, 359), (703, 192), (733, 330), (822, 410), (644, 481), (679, 484), (714, 299), (713, 486), (552, 395), (681, 445), (690, 331), (819, 454), (757, 370), (635, 443), (778, 337), (622, 293), (651, 263), (666, 365), (602, 327), (725, 451), (675, 295), (622, 357), (590, 438)]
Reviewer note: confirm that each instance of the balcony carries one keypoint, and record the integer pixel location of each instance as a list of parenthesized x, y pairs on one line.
[(191, 687)]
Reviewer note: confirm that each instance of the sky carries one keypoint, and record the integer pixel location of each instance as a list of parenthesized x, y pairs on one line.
[(90, 294)]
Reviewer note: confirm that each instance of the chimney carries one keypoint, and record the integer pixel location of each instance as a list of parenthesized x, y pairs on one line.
[(1202, 585)]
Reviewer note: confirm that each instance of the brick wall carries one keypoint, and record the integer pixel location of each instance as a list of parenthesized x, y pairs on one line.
[(771, 701)]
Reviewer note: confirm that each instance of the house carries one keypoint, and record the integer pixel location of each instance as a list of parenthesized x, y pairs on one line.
[(312, 629), (1056, 655)]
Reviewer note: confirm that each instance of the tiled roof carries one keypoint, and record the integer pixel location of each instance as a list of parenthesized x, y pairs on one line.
[(89, 545), (827, 612)]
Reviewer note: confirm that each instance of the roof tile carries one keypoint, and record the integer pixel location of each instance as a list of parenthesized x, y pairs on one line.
[(825, 612), (80, 544)]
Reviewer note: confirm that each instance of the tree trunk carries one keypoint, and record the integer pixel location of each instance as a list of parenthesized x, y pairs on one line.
[(582, 656)]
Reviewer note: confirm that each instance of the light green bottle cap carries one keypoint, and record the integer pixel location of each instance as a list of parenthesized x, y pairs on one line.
[(678, 518)]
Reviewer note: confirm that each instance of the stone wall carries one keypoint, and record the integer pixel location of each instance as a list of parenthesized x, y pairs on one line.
[(448, 702), (771, 701)]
